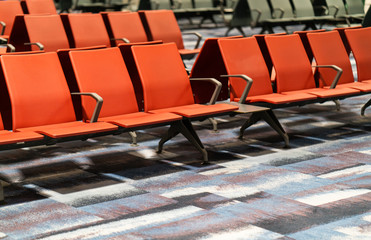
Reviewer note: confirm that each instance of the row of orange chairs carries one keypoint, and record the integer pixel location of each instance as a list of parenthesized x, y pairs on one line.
[(53, 32), (10, 8), (38, 109), (240, 65)]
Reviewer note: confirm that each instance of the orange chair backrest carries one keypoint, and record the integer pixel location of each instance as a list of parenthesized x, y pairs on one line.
[(359, 41), (328, 49), (126, 25), (48, 30), (293, 70), (103, 71), (243, 56), (40, 6), (88, 30), (8, 11), (38, 90), (165, 81), (162, 25)]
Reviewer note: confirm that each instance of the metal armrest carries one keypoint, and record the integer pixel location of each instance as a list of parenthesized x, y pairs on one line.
[(218, 88), (10, 46), (249, 82), (3, 40), (125, 40), (98, 105), (39, 45), (279, 9), (259, 14), (336, 9), (338, 74), (3, 27), (199, 37)]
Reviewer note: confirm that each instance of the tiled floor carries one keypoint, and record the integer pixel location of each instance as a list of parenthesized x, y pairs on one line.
[(319, 188)]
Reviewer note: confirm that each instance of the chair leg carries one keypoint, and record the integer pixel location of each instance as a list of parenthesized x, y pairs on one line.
[(337, 104), (188, 131), (227, 32), (365, 106), (172, 132), (254, 118), (272, 120), (133, 135), (241, 31), (214, 123)]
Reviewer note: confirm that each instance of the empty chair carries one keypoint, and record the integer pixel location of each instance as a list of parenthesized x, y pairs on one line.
[(299, 78), (41, 101), (328, 49), (162, 25), (240, 17), (8, 11), (85, 30), (38, 6), (124, 27), (304, 12), (359, 43), (120, 102), (167, 88), (355, 9), (38, 32)]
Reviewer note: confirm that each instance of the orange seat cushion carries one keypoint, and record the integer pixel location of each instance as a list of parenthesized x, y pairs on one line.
[(71, 129), (326, 93), (276, 98), (197, 110), (8, 137), (141, 119)]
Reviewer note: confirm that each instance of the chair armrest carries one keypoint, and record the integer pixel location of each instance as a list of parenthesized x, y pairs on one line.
[(258, 17), (218, 88), (249, 82), (3, 26), (198, 35), (280, 10), (98, 105), (10, 46), (125, 40), (336, 9), (39, 45), (338, 74), (3, 40)]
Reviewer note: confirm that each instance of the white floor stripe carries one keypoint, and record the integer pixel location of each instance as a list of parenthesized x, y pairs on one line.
[(323, 198), (348, 172), (251, 233), (228, 191), (127, 224)]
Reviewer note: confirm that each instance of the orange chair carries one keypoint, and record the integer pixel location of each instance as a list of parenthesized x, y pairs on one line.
[(359, 43), (120, 105), (38, 32), (41, 101), (8, 11), (162, 25), (250, 82), (85, 30), (328, 48), (299, 78), (124, 27), (38, 7), (167, 88)]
